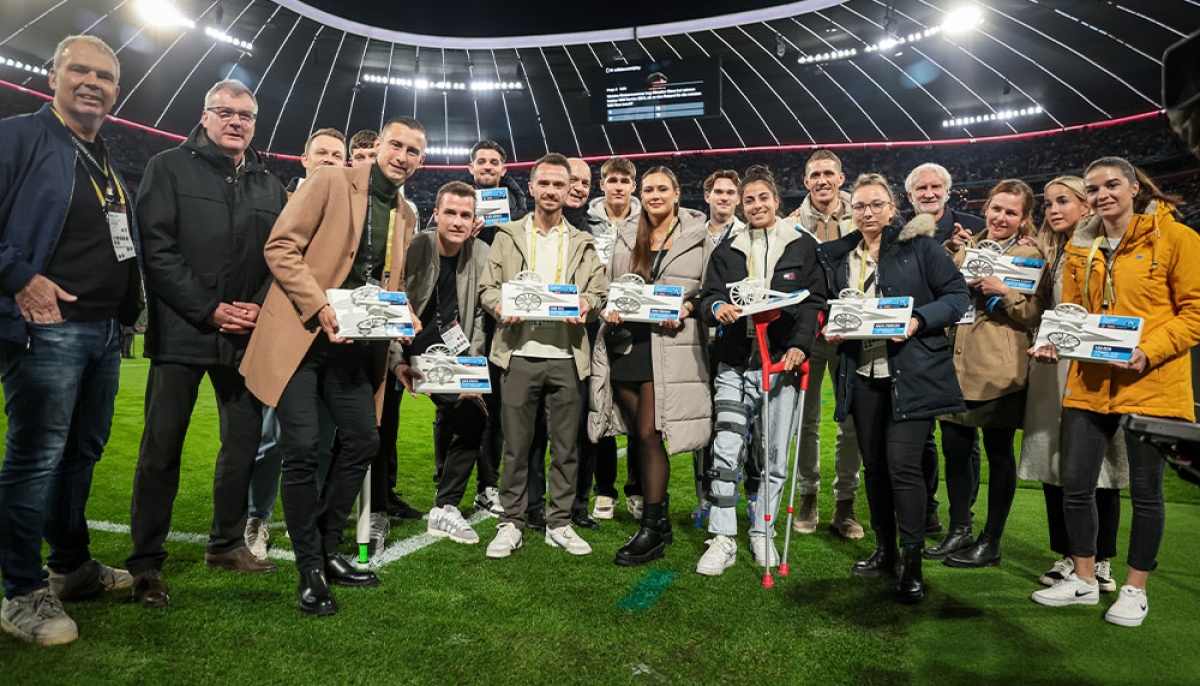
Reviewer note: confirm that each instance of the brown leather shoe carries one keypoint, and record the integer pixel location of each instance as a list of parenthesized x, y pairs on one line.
[(149, 589), (240, 560)]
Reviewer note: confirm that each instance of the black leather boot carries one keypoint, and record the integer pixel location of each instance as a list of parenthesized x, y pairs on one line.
[(882, 562), (314, 594), (342, 573), (985, 553), (958, 538), (648, 543), (910, 588)]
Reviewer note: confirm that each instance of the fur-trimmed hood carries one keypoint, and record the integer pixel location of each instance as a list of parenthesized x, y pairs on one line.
[(920, 225)]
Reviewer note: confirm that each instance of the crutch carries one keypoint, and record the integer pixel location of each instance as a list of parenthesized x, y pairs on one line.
[(791, 509), (761, 321), (363, 529)]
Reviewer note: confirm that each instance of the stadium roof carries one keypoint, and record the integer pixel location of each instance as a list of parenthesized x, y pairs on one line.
[(799, 73)]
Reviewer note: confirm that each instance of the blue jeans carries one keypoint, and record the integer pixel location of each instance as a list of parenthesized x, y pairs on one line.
[(58, 396)]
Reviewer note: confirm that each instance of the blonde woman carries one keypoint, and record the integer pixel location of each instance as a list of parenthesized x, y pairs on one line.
[(1041, 460)]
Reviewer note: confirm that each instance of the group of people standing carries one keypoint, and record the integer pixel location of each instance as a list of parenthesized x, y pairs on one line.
[(236, 271)]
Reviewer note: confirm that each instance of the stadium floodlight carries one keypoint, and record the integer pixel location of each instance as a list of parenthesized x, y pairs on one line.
[(962, 19), (450, 151), (23, 66), (162, 14), (219, 35), (997, 115), (421, 84)]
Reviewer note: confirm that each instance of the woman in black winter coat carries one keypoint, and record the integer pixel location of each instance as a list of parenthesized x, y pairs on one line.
[(895, 388)]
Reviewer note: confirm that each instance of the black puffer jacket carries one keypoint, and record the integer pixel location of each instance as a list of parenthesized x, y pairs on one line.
[(798, 268), (203, 228), (912, 263)]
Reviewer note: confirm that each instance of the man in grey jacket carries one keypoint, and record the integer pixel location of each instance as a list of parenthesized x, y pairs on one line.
[(443, 268)]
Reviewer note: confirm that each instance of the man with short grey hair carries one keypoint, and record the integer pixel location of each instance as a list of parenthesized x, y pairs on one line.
[(206, 209), (68, 281), (928, 187)]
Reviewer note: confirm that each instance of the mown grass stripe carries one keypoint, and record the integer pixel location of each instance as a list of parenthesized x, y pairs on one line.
[(647, 591)]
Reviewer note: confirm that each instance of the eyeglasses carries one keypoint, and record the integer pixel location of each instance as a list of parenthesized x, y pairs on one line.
[(876, 207), (225, 114)]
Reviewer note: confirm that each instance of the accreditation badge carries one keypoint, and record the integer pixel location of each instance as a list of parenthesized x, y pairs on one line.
[(118, 229)]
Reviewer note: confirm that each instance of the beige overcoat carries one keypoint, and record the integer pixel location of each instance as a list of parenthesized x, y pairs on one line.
[(312, 248), (682, 394)]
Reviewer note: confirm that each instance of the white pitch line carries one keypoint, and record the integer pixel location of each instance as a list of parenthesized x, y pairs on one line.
[(392, 553), (412, 544)]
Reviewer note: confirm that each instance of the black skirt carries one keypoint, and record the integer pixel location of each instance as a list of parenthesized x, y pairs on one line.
[(634, 366)]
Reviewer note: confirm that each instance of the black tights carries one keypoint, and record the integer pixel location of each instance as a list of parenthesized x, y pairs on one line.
[(1002, 474), (636, 401)]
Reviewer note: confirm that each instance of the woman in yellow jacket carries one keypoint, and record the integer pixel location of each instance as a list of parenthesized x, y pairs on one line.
[(1139, 261), (989, 347)]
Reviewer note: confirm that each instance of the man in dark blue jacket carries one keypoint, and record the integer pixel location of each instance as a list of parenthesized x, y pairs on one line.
[(68, 279), (205, 209)]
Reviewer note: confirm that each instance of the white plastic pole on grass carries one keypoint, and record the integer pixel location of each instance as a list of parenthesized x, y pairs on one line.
[(363, 530)]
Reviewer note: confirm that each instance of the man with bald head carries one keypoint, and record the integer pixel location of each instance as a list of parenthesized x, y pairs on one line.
[(68, 280)]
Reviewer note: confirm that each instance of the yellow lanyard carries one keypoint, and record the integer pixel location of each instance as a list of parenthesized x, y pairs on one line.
[(387, 255), (862, 268), (109, 175), (1110, 295), (533, 243)]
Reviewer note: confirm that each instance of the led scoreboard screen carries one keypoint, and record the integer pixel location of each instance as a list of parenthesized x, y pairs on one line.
[(669, 89)]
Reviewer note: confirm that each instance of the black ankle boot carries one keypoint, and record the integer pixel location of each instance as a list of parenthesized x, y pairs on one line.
[(959, 538), (342, 573), (985, 553), (910, 588), (314, 594), (882, 562), (648, 543)]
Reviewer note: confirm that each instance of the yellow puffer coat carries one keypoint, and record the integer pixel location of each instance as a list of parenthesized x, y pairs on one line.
[(1156, 276)]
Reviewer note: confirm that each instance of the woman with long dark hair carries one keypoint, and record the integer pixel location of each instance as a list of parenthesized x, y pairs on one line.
[(1138, 261), (655, 373)]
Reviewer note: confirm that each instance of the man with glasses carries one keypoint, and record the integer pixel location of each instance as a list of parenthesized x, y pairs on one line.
[(205, 210)]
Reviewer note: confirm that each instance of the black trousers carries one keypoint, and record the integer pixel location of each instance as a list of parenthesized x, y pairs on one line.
[(337, 376), (606, 471), (891, 453), (171, 391), (464, 421), (962, 476), (1108, 509), (384, 466), (1085, 439), (929, 466)]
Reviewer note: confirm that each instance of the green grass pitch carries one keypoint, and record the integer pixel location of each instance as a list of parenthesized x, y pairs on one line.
[(447, 615)]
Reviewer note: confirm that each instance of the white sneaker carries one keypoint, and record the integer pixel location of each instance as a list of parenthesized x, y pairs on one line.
[(448, 522), (257, 536), (1130, 609), (603, 509), (508, 539), (566, 538), (634, 504), (721, 554), (489, 501), (1070, 591), (39, 618), (1060, 571), (1104, 576), (762, 547)]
